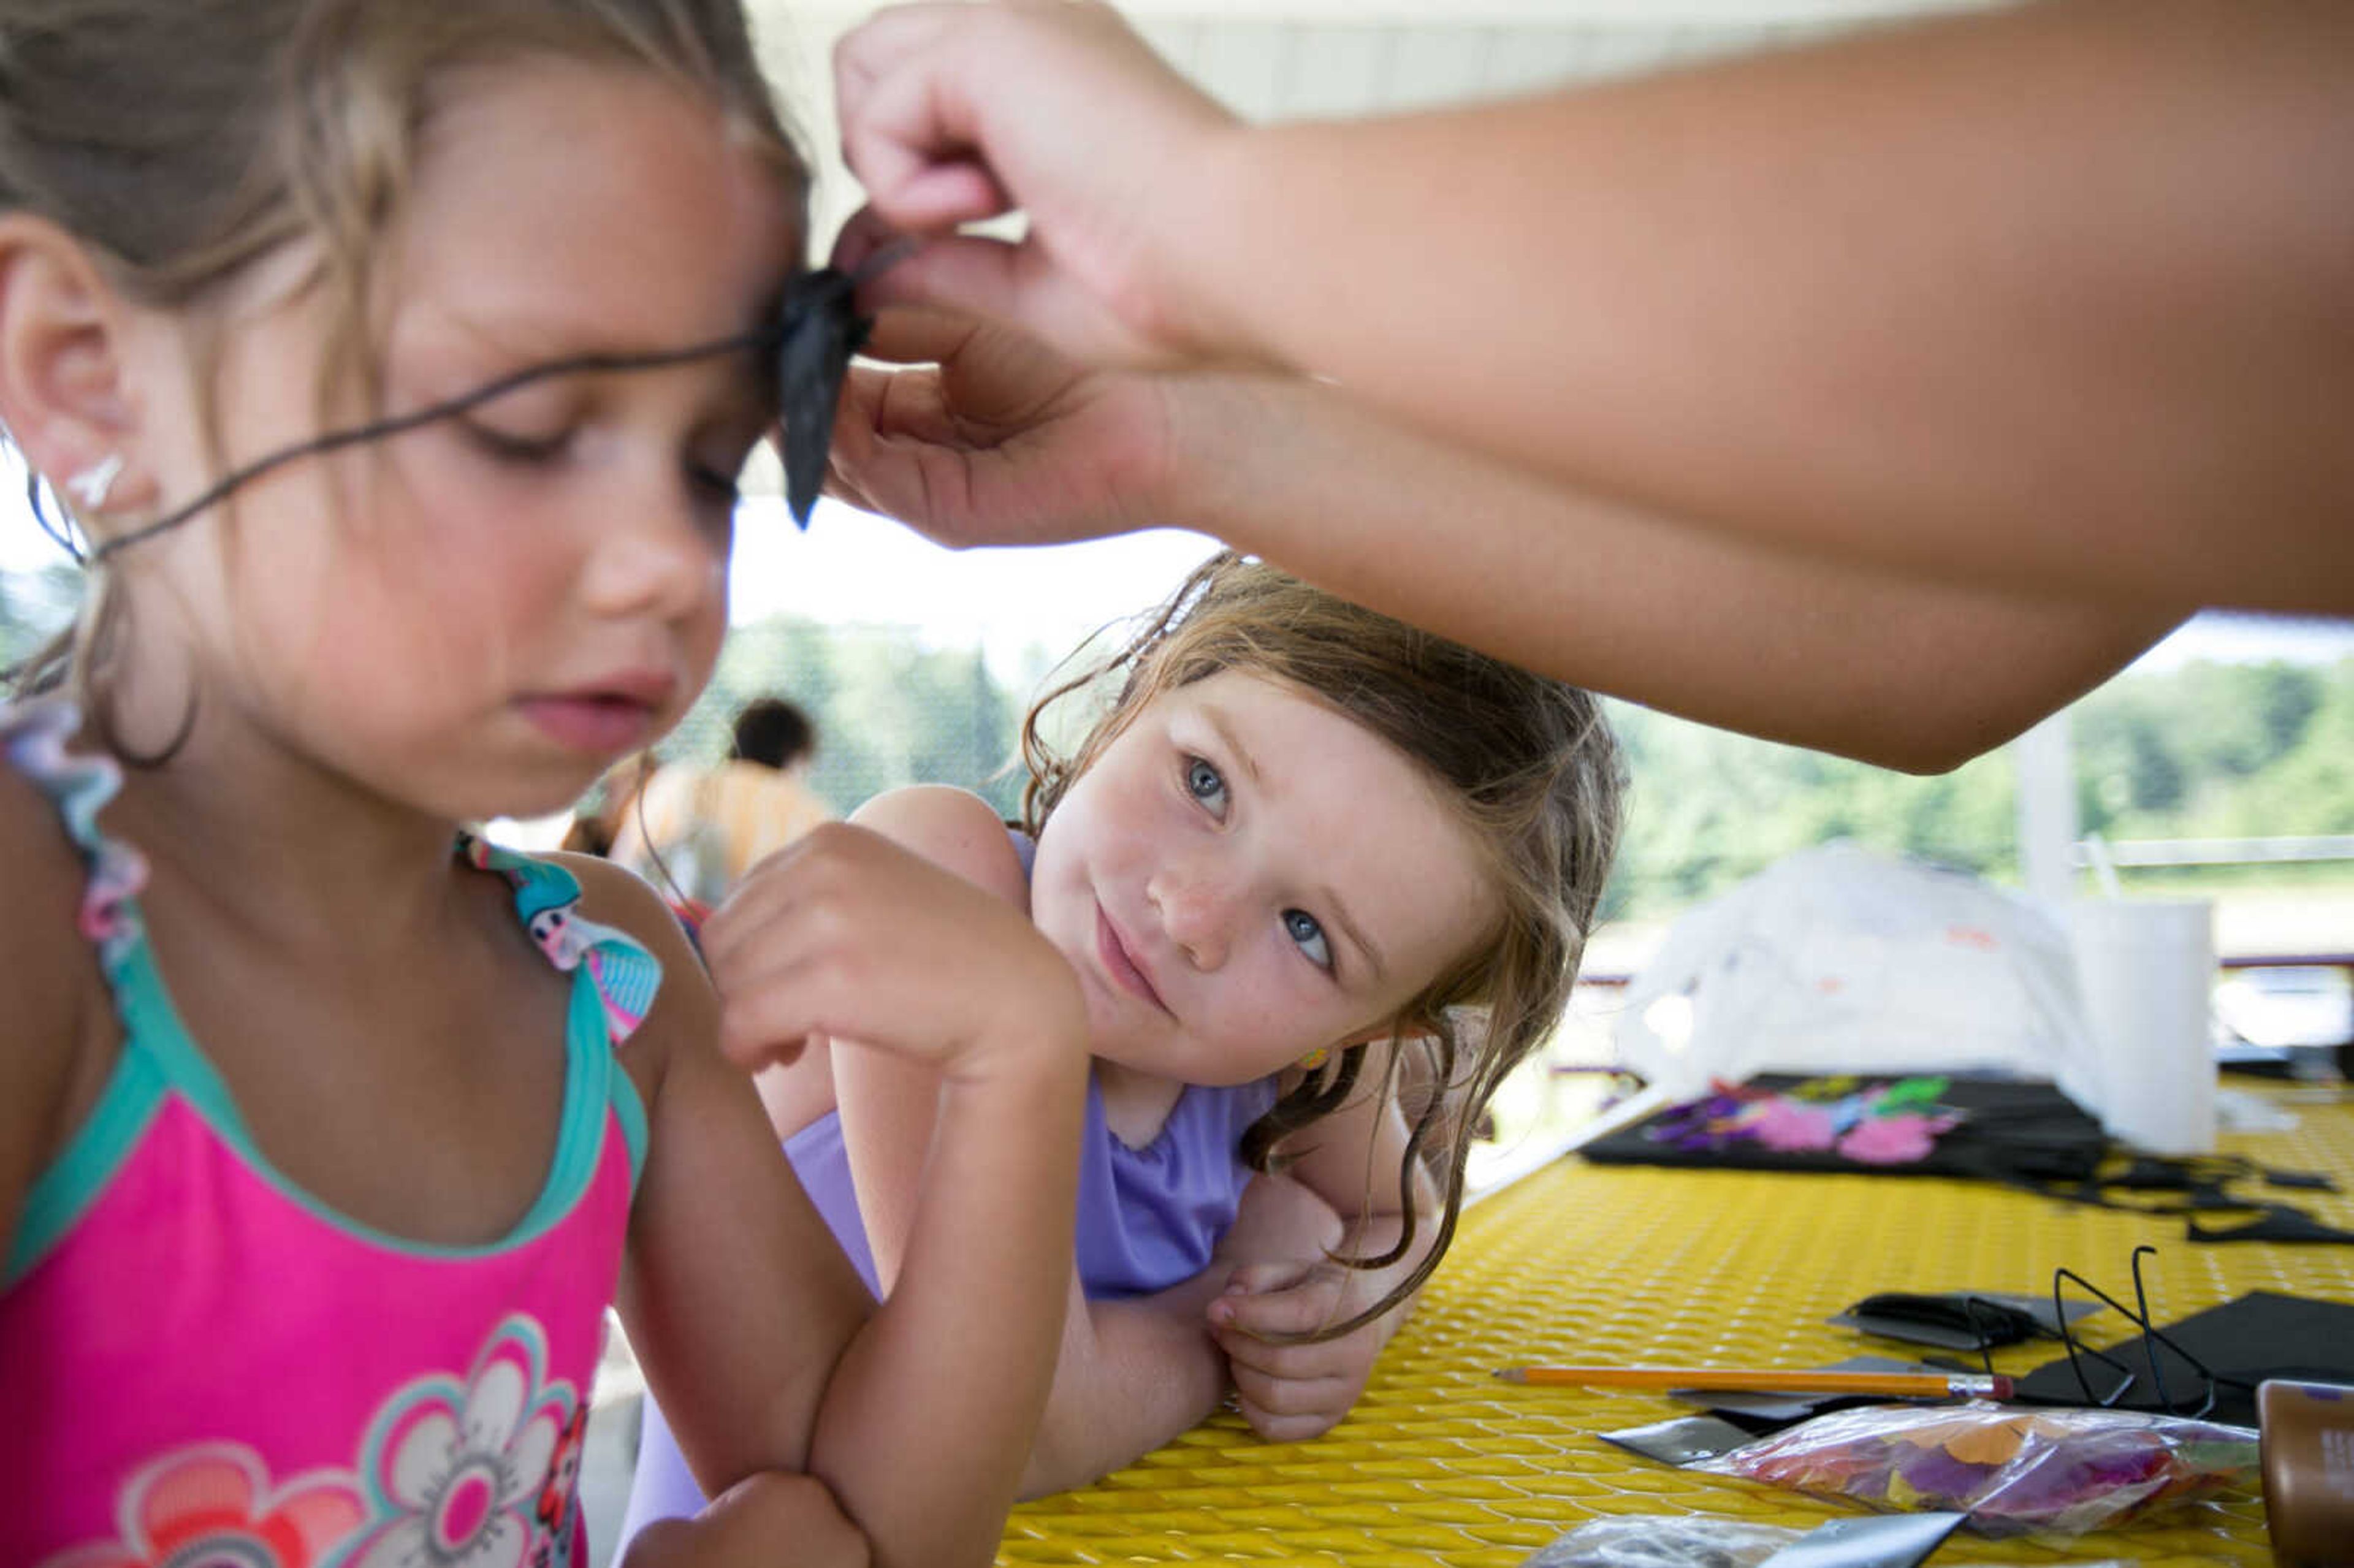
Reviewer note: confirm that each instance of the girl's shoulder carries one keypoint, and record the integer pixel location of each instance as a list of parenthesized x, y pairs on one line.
[(51, 988), (952, 828), (683, 1007)]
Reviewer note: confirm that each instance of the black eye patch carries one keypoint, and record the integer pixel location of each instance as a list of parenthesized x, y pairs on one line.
[(819, 332)]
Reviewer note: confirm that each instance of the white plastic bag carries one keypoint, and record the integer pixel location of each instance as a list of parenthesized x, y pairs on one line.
[(1836, 959)]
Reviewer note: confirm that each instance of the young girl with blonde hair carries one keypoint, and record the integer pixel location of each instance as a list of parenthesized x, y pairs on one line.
[(1325, 880), (396, 363)]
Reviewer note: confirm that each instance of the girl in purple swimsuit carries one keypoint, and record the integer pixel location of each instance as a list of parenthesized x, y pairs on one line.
[(1325, 880)]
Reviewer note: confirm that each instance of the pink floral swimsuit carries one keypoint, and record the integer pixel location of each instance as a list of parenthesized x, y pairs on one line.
[(201, 1363)]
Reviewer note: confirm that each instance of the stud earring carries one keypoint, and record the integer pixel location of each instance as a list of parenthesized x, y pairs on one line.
[(1315, 1059), (93, 484)]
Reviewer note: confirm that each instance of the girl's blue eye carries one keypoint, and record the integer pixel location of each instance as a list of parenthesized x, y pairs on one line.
[(1302, 928), (1204, 784)]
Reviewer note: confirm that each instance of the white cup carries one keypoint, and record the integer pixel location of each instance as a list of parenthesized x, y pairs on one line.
[(2146, 974)]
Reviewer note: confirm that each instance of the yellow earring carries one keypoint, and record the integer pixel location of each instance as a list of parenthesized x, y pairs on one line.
[(1315, 1059)]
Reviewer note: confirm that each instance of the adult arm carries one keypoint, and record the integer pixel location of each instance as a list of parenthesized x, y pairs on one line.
[(1001, 440), (2055, 297)]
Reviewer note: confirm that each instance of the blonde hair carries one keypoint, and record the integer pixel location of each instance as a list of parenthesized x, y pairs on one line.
[(183, 141), (1528, 762)]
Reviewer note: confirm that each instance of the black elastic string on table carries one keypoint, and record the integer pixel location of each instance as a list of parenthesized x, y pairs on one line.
[(2152, 1338), (587, 364)]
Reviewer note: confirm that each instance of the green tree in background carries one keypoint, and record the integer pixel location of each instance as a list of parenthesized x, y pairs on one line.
[(34, 606), (2207, 750), (889, 710), (1707, 808)]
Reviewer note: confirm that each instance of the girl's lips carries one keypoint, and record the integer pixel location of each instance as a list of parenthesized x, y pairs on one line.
[(1125, 971), (599, 723)]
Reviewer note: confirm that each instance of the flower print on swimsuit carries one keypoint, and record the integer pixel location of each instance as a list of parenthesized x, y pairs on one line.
[(457, 1472), (216, 1503), (557, 1512), (1246, 874)]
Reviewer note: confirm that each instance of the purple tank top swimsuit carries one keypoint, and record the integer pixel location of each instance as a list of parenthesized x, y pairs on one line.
[(1148, 1218)]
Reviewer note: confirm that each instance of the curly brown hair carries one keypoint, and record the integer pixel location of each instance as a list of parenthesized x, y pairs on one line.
[(1529, 764)]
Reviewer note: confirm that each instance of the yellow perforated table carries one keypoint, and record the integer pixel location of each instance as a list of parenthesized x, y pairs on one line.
[(1440, 1465)]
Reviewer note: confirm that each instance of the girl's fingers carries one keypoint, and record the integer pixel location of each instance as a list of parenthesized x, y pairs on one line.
[(1279, 1313), (1315, 1361), (1257, 1279), (1288, 1410)]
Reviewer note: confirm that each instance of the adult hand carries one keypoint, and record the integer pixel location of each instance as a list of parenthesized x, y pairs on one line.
[(995, 439), (952, 113)]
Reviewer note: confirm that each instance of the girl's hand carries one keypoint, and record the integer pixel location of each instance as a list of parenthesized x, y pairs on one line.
[(845, 934), (952, 113), (1289, 1391), (997, 439), (745, 1525)]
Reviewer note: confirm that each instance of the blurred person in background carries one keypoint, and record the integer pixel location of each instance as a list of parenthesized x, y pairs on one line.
[(694, 830)]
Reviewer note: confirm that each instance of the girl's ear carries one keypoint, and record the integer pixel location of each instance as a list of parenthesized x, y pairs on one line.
[(64, 399)]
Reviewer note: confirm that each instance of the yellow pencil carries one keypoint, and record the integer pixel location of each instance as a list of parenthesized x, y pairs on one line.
[(1901, 1385)]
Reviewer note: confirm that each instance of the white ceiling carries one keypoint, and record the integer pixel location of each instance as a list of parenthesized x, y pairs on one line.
[(1303, 59)]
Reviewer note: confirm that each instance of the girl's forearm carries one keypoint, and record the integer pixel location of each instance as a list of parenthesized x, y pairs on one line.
[(1132, 1375), (924, 1425), (2055, 296)]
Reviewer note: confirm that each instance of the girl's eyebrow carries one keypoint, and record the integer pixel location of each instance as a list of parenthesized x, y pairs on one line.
[(1217, 719), (1355, 933)]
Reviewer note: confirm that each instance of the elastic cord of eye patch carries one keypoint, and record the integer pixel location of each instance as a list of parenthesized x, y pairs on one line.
[(764, 338)]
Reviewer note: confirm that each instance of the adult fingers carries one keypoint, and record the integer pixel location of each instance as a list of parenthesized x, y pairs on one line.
[(918, 334), (908, 129), (1023, 283)]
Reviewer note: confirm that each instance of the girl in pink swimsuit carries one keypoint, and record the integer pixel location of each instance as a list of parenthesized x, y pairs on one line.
[(391, 366)]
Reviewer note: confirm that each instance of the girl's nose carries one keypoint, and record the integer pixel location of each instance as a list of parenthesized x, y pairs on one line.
[(1197, 912), (659, 550)]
